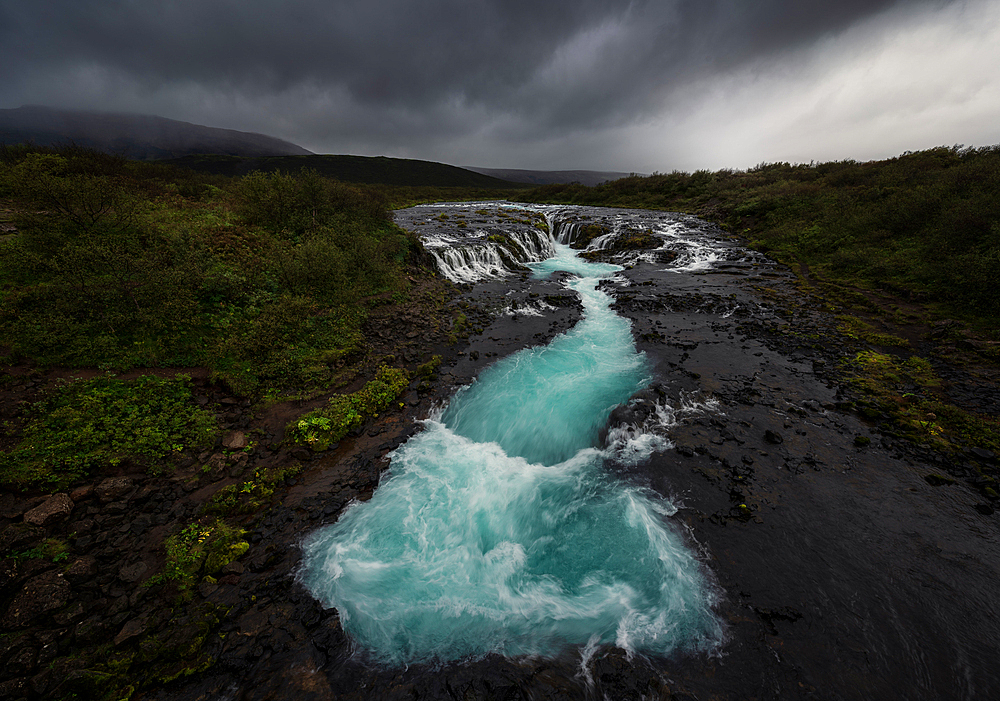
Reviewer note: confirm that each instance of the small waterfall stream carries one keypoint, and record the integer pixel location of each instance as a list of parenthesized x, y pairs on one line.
[(499, 528)]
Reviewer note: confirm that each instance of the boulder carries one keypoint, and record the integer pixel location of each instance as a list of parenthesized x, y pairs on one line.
[(130, 630), (13, 507), (56, 508), (113, 489), (81, 493), (46, 592), (130, 574), (235, 440)]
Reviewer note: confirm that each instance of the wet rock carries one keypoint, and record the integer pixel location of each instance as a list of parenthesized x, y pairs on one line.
[(18, 536), (773, 437), (133, 573), (14, 688), (13, 507), (82, 493), (685, 449), (983, 454), (113, 489), (92, 630), (130, 630), (236, 567), (56, 508), (81, 570), (46, 592), (70, 615), (41, 682)]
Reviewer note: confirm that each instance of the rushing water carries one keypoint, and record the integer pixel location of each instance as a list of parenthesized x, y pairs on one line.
[(499, 528)]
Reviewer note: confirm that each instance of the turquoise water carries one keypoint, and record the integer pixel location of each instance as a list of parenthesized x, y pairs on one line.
[(499, 529)]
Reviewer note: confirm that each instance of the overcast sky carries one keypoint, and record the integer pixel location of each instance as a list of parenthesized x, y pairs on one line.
[(595, 84)]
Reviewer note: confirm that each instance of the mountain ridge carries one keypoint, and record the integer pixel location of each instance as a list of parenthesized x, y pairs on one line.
[(551, 177), (138, 136)]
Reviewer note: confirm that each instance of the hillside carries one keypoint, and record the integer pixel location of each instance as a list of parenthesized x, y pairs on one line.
[(137, 136), (551, 177), (353, 169)]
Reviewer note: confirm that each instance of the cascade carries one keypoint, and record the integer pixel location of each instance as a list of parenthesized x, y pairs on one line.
[(499, 528)]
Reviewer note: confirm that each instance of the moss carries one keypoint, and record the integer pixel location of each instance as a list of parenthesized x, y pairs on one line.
[(858, 329), (429, 368), (587, 233), (902, 391), (199, 548)]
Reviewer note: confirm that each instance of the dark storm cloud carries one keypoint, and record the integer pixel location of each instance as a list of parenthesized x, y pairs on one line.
[(413, 54), (392, 74)]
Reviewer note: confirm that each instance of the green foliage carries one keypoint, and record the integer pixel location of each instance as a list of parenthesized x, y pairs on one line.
[(320, 428), (199, 549), (85, 424), (53, 549), (902, 390), (859, 329), (293, 339), (252, 494), (430, 367), (119, 264)]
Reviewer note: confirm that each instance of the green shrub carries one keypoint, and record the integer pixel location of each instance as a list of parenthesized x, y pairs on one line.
[(252, 494), (113, 267), (199, 549), (344, 412), (87, 424)]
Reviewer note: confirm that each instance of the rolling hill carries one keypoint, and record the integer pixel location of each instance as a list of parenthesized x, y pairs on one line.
[(137, 136), (352, 169)]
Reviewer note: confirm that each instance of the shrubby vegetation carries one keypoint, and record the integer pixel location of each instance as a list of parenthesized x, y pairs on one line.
[(199, 550), (85, 424), (119, 264), (345, 412), (252, 494), (924, 225)]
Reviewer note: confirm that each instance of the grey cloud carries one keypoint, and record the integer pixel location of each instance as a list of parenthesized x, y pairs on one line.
[(389, 74)]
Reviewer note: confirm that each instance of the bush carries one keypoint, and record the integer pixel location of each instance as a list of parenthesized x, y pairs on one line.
[(113, 267), (87, 424), (320, 428), (200, 549)]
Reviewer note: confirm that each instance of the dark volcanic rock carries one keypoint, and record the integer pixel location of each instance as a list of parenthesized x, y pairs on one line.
[(46, 592), (58, 507), (113, 489)]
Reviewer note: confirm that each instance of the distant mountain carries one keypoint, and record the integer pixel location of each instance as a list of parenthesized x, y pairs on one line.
[(353, 169), (138, 136), (547, 177)]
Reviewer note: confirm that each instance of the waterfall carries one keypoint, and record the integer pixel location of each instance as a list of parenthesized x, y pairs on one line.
[(499, 528)]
